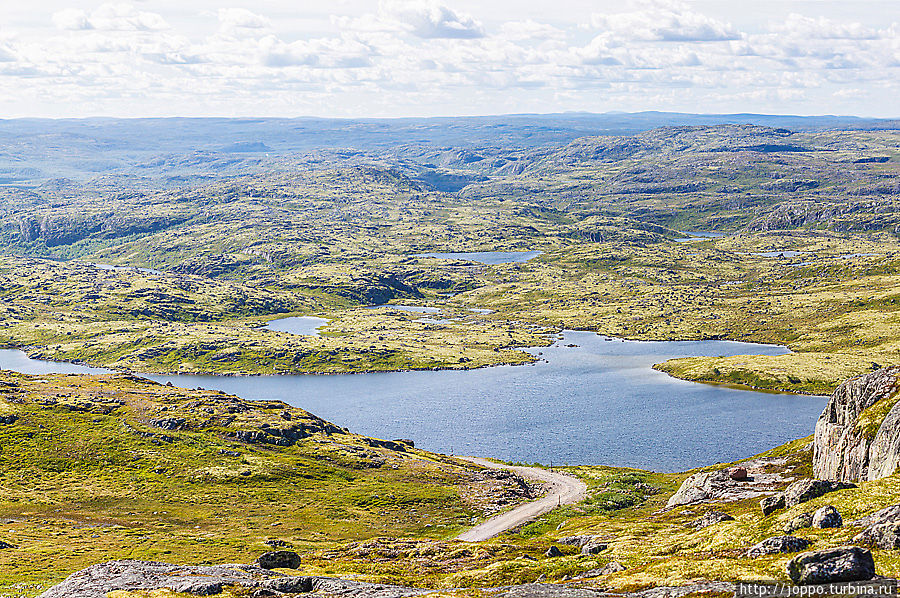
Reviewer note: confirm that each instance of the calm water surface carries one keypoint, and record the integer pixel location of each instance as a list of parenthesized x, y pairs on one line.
[(305, 325), (597, 402)]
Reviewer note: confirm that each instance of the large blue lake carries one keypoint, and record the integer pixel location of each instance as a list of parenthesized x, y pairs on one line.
[(596, 403)]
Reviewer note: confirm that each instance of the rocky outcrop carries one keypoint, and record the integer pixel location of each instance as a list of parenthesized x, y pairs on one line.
[(777, 545), (844, 563), (752, 479), (845, 450), (710, 518), (99, 580), (883, 535), (799, 492)]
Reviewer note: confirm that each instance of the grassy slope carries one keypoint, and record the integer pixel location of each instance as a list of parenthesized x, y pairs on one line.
[(87, 477)]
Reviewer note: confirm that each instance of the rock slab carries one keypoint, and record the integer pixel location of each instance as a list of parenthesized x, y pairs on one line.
[(843, 563)]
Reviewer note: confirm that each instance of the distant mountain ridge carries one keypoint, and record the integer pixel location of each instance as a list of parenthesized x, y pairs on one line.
[(36, 150)]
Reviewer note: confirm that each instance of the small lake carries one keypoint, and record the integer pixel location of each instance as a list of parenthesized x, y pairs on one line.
[(305, 325), (490, 258), (598, 402), (696, 235)]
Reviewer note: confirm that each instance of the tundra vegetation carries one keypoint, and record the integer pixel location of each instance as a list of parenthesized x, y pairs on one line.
[(95, 468)]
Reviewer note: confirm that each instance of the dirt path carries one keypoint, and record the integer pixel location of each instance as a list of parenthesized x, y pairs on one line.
[(562, 490)]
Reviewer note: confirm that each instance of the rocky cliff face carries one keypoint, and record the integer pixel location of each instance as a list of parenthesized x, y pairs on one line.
[(857, 439)]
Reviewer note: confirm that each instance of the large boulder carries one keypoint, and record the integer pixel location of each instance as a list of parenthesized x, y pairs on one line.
[(827, 517), (279, 559), (801, 521), (844, 450), (699, 487), (805, 490), (883, 535), (770, 504), (844, 563), (777, 545), (886, 515)]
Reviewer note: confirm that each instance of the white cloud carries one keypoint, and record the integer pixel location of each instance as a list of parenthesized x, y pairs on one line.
[(428, 19), (663, 21), (414, 56), (110, 17), (240, 22), (72, 19)]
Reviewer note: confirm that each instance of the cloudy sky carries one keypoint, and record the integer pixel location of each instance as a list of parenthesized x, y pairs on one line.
[(355, 58)]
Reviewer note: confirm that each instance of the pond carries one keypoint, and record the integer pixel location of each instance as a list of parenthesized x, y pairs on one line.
[(590, 400), (490, 258), (305, 325)]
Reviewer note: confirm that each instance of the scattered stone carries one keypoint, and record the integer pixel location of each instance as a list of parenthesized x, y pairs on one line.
[(594, 548), (801, 521), (8, 419), (553, 551), (711, 518), (885, 515), (279, 559), (777, 545), (275, 543), (739, 474), (883, 535), (770, 504), (612, 567), (805, 490), (576, 540), (827, 517), (5, 545), (844, 563), (197, 587)]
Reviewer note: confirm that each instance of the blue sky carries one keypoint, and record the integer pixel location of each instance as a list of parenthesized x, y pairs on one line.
[(361, 58)]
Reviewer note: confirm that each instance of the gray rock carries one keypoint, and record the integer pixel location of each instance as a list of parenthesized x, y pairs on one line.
[(99, 580), (841, 450), (576, 540), (594, 548), (553, 551), (844, 563), (883, 535), (698, 487), (612, 567), (804, 490), (279, 559), (197, 587), (711, 518), (777, 545), (770, 504), (885, 515), (801, 521), (827, 517)]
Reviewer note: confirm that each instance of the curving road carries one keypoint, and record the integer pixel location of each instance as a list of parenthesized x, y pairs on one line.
[(562, 490)]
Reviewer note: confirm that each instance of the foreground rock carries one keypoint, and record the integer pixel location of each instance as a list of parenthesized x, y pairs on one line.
[(884, 535), (845, 450), (777, 545), (99, 580), (752, 479), (827, 517), (800, 492), (279, 559), (844, 563)]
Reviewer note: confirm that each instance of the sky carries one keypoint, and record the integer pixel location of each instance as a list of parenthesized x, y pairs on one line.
[(391, 58)]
